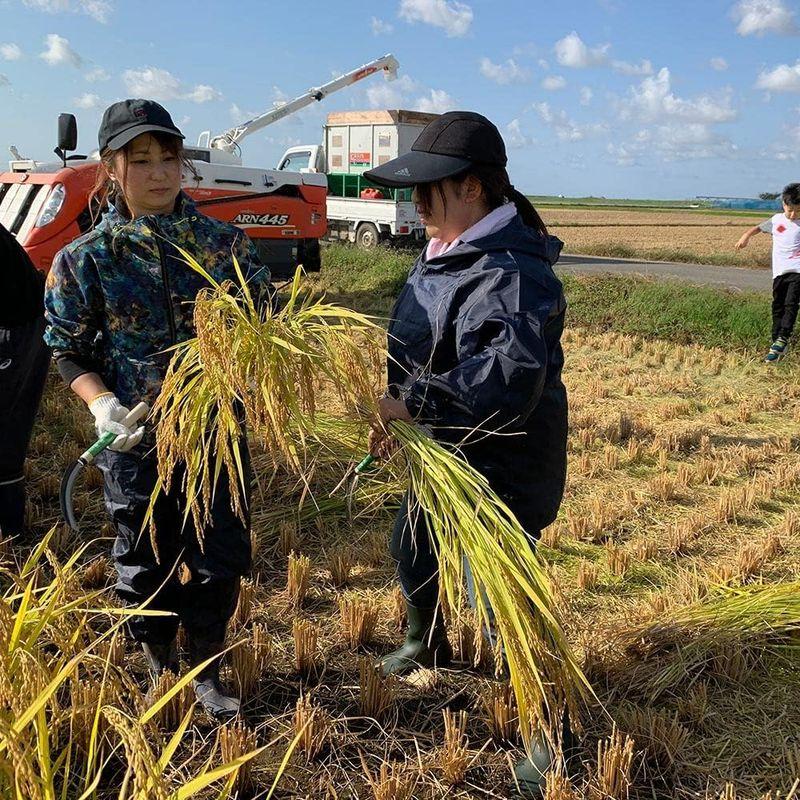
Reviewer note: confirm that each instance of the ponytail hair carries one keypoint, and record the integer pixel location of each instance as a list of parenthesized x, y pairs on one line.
[(497, 189)]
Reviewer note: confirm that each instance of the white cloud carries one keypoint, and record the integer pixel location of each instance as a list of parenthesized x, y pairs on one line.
[(96, 75), (392, 94), (566, 129), (718, 63), (87, 100), (437, 101), (544, 64), (571, 51), (202, 93), (380, 26), (672, 142), (10, 51), (509, 72), (644, 67), (159, 84), (653, 100), (58, 51), (99, 10), (554, 82), (238, 115), (452, 16), (757, 17), (515, 137), (781, 79), (4, 81), (586, 96)]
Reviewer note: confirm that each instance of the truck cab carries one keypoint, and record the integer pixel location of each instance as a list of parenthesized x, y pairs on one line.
[(303, 158)]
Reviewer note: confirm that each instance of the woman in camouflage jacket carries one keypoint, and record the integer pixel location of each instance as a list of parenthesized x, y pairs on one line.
[(116, 300)]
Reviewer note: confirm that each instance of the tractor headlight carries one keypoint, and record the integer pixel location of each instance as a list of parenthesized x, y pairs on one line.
[(52, 206)]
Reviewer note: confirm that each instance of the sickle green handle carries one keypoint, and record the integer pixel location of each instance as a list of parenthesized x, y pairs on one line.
[(131, 418), (365, 463)]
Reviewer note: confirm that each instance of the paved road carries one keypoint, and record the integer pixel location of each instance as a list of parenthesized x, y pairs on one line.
[(736, 278)]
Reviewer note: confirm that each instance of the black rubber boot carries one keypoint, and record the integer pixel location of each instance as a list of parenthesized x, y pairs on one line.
[(162, 657), (207, 687), (426, 644)]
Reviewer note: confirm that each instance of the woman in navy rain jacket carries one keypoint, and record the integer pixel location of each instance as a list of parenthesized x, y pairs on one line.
[(474, 343)]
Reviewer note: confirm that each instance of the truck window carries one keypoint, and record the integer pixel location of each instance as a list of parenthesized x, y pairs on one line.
[(294, 162)]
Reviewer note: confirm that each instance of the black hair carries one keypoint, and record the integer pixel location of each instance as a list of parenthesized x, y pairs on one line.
[(497, 189), (791, 194)]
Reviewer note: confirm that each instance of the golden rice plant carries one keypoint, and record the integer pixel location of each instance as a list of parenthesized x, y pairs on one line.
[(65, 708), (393, 781), (376, 692), (453, 758), (259, 365), (359, 616), (236, 740), (619, 559), (340, 562), (313, 726), (468, 521), (612, 780), (244, 605), (588, 575), (500, 712), (398, 615), (305, 635), (725, 622), (298, 574), (178, 705)]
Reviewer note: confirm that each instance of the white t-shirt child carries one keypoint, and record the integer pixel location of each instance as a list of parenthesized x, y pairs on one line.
[(785, 243)]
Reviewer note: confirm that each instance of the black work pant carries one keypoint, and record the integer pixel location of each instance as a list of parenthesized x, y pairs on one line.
[(206, 602), (24, 361), (417, 563), (785, 302)]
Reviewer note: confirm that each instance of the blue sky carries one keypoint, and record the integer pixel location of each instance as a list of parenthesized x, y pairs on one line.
[(616, 98)]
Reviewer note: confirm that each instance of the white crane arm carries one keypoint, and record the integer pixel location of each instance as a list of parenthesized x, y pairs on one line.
[(228, 140)]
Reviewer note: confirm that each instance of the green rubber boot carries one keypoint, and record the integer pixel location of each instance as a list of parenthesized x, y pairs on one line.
[(426, 644), (530, 773)]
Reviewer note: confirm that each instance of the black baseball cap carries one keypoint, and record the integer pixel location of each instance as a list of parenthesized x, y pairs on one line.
[(449, 145), (127, 119)]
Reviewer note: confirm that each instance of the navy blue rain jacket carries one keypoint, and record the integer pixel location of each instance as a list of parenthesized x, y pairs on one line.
[(474, 343)]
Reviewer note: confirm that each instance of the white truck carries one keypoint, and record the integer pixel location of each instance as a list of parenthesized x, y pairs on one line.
[(355, 141)]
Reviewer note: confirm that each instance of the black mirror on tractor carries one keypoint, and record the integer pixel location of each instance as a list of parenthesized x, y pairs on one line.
[(67, 136), (67, 132)]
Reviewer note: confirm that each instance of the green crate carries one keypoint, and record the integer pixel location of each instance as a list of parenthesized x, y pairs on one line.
[(343, 184)]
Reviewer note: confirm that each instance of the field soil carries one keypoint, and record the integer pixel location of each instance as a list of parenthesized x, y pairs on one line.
[(684, 476), (659, 235)]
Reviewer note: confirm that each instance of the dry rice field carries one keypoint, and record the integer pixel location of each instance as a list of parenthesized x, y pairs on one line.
[(659, 235), (684, 476)]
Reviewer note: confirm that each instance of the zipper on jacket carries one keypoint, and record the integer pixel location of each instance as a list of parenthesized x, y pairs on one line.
[(162, 257)]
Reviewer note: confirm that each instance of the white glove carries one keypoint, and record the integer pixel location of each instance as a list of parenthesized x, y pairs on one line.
[(108, 415)]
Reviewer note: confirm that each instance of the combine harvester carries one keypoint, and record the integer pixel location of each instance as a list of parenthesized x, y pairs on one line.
[(46, 205)]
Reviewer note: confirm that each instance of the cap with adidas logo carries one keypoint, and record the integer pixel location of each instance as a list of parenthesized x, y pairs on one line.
[(449, 145)]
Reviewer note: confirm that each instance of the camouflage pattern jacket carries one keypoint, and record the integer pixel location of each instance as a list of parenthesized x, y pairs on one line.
[(118, 297)]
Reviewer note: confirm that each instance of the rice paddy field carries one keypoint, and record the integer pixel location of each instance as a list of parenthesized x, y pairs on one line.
[(665, 234), (675, 562)]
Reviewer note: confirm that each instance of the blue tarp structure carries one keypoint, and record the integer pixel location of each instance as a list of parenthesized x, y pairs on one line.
[(744, 203)]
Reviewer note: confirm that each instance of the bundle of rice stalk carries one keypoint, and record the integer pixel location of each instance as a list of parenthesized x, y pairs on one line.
[(754, 618), (261, 364), (468, 520)]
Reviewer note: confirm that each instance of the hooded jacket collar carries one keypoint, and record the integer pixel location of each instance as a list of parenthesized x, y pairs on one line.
[(516, 236)]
